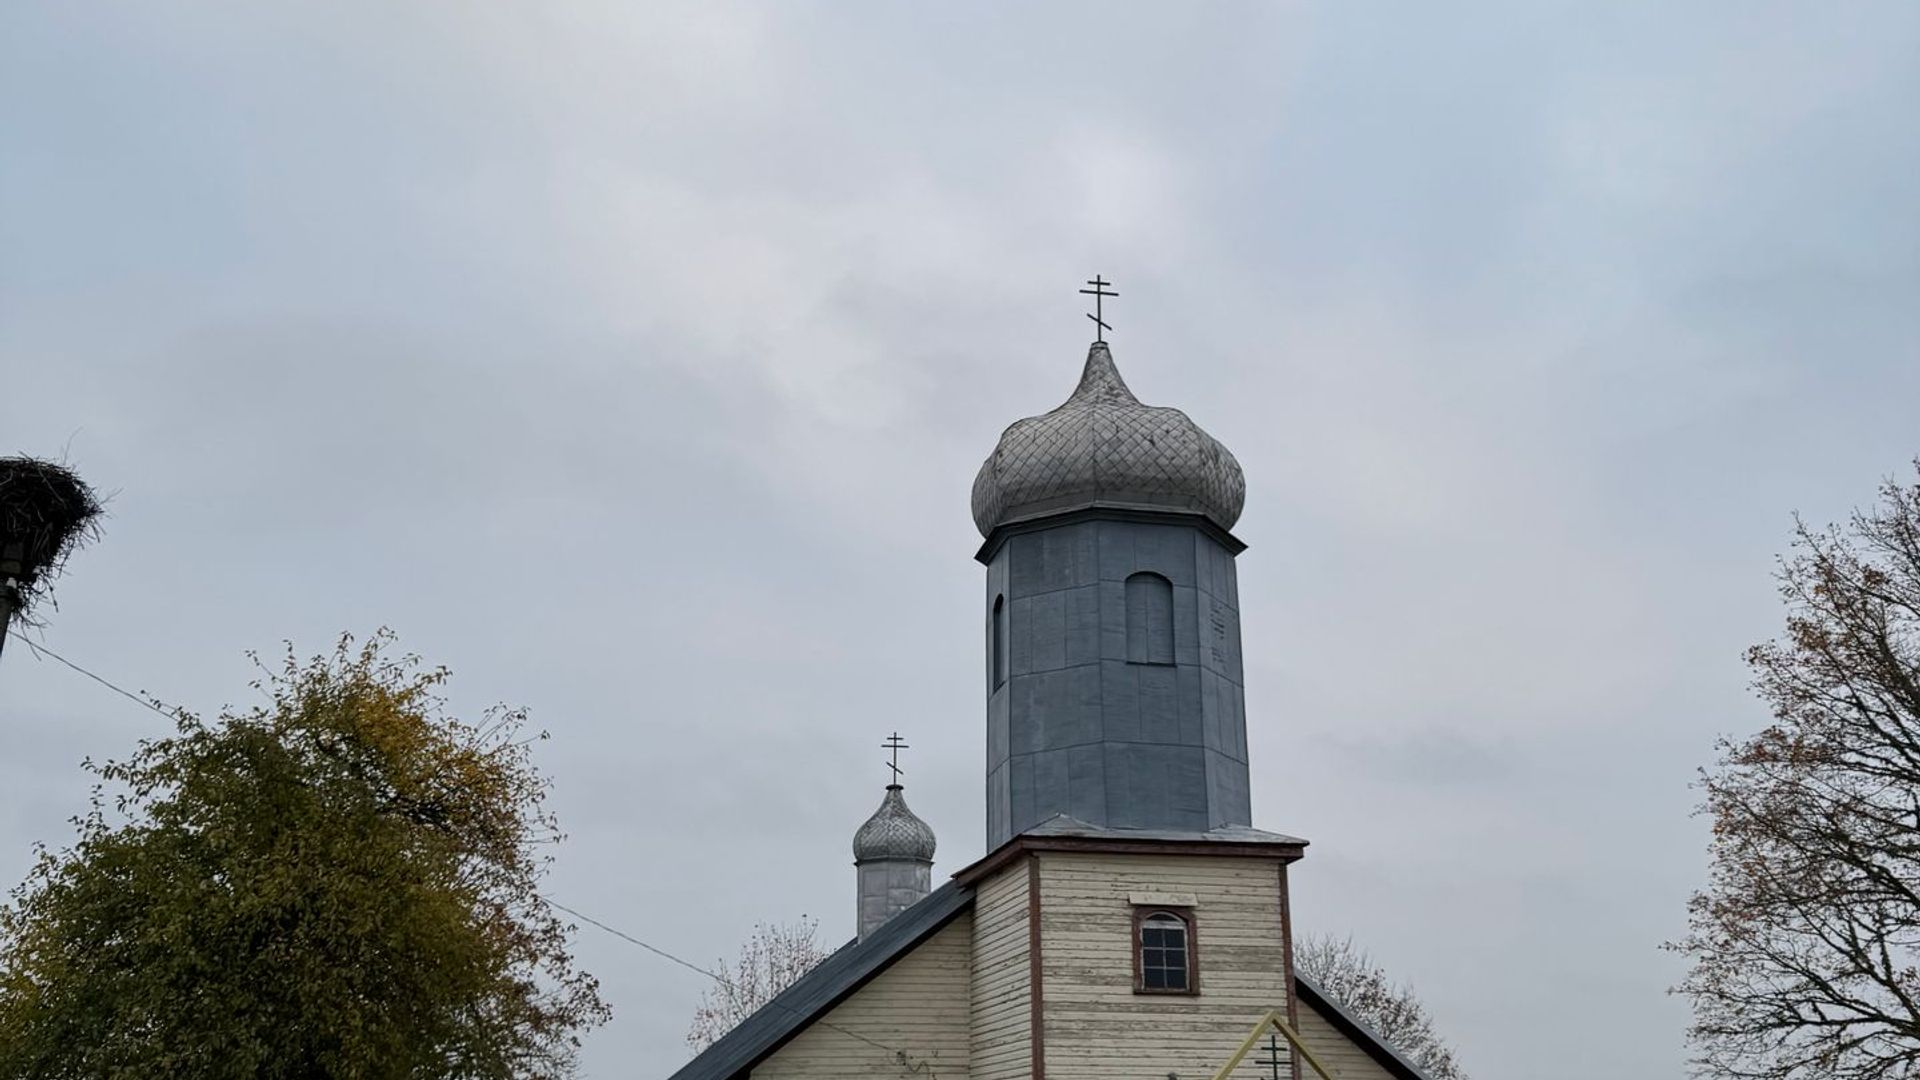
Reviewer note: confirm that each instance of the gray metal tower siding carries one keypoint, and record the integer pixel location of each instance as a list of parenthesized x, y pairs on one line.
[(1076, 728)]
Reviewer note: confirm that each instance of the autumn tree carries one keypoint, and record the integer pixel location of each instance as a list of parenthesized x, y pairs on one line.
[(773, 958), (340, 882), (1350, 976), (1805, 941)]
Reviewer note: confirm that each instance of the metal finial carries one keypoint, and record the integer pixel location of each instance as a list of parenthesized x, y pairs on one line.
[(894, 744), (1099, 292)]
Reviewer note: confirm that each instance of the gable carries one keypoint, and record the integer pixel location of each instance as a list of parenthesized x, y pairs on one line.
[(837, 977), (918, 1005)]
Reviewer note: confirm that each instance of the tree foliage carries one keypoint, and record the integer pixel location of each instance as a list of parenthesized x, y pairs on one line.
[(1806, 940), (338, 883), (773, 958), (1350, 976)]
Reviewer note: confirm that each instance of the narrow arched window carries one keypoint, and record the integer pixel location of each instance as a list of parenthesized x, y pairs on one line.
[(1163, 952), (997, 642), (1149, 619)]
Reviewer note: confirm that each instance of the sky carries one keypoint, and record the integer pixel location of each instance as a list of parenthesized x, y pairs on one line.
[(635, 361)]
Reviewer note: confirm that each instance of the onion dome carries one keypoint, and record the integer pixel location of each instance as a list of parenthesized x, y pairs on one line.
[(1102, 447), (893, 832)]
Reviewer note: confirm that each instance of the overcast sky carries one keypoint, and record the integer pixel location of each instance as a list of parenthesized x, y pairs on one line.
[(635, 361)]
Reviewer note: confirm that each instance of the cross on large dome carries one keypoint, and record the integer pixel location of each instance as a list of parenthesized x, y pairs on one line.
[(1102, 447)]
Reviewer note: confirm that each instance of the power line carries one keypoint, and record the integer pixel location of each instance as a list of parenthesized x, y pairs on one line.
[(903, 1058), (42, 651)]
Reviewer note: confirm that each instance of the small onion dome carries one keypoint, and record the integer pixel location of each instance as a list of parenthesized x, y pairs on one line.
[(893, 832), (1102, 447)]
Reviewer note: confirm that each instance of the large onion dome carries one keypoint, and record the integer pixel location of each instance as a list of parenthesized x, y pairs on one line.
[(1102, 447), (893, 832)]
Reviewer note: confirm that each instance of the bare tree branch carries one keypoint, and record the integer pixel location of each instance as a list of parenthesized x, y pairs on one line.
[(1806, 939)]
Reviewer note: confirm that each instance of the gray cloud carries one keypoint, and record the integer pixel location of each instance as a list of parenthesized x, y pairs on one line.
[(636, 364)]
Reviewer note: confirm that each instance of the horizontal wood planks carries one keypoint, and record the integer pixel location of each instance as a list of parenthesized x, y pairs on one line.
[(1095, 1026), (1001, 1046), (1336, 1051), (919, 1005)]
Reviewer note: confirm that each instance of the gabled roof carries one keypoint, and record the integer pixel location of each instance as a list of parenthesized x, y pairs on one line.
[(857, 962), (1351, 1026), (827, 985)]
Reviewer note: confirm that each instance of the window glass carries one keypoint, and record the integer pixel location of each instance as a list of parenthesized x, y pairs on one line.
[(1163, 952)]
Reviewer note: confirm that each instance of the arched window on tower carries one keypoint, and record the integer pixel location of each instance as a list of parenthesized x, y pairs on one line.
[(997, 642), (1149, 619), (1164, 957)]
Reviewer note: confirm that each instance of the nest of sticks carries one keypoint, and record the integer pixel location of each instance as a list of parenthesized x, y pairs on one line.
[(46, 513)]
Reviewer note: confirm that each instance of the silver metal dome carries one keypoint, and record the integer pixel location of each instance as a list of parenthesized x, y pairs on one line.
[(1102, 447), (893, 832)]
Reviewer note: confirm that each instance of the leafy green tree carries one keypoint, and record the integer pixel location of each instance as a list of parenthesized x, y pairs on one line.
[(341, 882)]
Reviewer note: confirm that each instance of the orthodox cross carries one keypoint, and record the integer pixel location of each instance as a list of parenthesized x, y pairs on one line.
[(1099, 292), (1272, 1060), (894, 744)]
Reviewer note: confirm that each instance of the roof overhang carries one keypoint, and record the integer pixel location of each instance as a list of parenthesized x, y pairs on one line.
[(1100, 510), (1061, 834)]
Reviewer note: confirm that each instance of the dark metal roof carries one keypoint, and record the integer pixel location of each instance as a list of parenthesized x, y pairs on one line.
[(825, 986), (1063, 825), (855, 963), (1363, 1036)]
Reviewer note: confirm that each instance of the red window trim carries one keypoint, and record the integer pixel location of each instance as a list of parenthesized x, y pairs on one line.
[(1141, 913)]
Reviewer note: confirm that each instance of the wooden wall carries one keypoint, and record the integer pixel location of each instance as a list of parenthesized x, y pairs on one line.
[(1094, 1026), (1339, 1054), (920, 1005), (1001, 1044)]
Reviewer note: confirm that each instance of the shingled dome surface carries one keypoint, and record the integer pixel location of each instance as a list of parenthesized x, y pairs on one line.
[(1102, 447), (893, 832)]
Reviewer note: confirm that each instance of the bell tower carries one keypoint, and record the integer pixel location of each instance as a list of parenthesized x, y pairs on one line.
[(1113, 667)]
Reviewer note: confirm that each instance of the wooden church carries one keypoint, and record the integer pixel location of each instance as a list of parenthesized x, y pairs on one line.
[(1128, 921)]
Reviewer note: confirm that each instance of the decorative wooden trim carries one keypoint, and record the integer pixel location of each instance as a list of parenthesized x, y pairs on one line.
[(1286, 937), (1014, 849), (1036, 996), (1141, 912)]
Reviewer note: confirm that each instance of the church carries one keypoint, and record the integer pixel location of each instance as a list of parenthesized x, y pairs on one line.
[(1128, 921)]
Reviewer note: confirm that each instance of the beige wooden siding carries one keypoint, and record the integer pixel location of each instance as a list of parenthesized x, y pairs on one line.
[(1095, 1026), (918, 1005), (1001, 1046), (1340, 1055)]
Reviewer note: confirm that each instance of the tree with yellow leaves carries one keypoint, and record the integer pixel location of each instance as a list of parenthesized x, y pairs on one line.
[(341, 882)]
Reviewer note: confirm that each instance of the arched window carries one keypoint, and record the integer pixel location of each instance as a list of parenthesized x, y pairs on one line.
[(1149, 619), (1163, 952), (997, 642)]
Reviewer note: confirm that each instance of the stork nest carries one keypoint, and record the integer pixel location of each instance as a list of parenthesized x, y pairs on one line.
[(46, 513)]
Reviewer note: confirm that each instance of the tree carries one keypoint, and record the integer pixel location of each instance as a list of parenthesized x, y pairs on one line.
[(1805, 941), (338, 883), (773, 958), (1350, 976)]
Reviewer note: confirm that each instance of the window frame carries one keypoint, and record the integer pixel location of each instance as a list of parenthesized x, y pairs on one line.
[(1154, 586), (999, 650), (1143, 912)]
